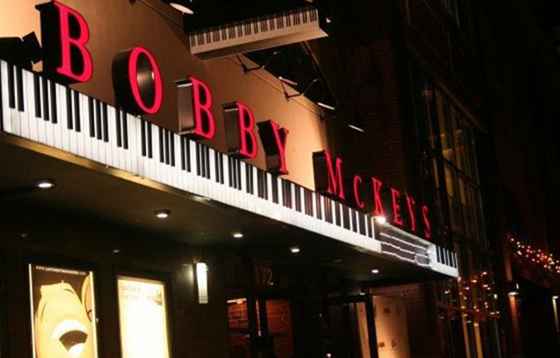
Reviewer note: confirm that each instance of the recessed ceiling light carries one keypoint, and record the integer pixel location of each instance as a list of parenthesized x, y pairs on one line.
[(162, 214), (237, 235), (116, 251), (181, 7), (380, 219), (295, 250), (375, 271), (44, 184)]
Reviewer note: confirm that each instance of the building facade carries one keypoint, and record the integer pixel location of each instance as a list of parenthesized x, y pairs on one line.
[(146, 216)]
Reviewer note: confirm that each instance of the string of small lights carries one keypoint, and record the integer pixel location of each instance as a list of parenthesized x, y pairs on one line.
[(475, 296), (545, 261)]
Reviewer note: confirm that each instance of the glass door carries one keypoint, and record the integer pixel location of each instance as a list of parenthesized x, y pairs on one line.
[(348, 329)]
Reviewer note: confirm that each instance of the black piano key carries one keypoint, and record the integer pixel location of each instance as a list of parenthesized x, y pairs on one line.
[(231, 174), (171, 148), (345, 216), (238, 173), (297, 197), (19, 82), (37, 95), (183, 153), (54, 107), (78, 113), (275, 193), (319, 209), (99, 122), (286, 193), (11, 87), (69, 114), (124, 129), (217, 166), (261, 184), (188, 154), (166, 152), (308, 201), (361, 223), (91, 117), (280, 22), (45, 88), (150, 141), (206, 153), (161, 145), (326, 209), (118, 127), (337, 214), (105, 124), (198, 160), (249, 175), (369, 226), (223, 179), (143, 138), (354, 221)]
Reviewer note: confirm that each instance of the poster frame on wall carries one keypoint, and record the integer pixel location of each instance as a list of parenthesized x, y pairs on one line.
[(148, 276), (65, 264)]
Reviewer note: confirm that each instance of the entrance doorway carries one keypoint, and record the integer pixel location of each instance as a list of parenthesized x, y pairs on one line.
[(268, 335), (348, 328)]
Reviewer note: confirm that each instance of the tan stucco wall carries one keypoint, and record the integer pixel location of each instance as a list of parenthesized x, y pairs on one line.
[(116, 25)]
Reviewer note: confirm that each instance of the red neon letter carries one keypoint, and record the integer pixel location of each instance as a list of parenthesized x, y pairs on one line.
[(204, 123), (134, 85), (336, 186), (411, 212), (280, 138), (247, 139), (427, 225), (67, 43), (378, 203), (356, 184), (395, 195)]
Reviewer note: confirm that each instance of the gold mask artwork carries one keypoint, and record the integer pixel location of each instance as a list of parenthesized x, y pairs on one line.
[(63, 326)]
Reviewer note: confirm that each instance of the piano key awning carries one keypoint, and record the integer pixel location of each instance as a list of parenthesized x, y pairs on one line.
[(259, 33), (49, 117)]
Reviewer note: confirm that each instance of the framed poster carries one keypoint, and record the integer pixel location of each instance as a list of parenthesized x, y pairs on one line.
[(63, 317), (143, 318)]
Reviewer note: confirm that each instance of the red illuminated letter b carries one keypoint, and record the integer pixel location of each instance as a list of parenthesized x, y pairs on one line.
[(65, 34)]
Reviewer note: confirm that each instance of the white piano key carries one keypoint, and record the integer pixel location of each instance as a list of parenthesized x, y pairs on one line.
[(176, 170), (116, 157), (29, 105), (133, 153), (74, 134), (243, 168), (6, 123), (40, 122), (61, 128), (269, 187), (49, 131), (212, 165), (14, 113), (88, 140)]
